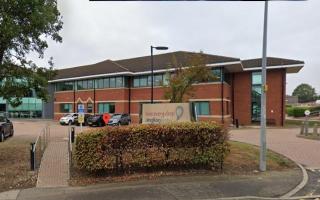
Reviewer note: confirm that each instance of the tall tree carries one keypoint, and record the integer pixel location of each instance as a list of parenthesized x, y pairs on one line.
[(24, 27), (305, 93), (180, 82)]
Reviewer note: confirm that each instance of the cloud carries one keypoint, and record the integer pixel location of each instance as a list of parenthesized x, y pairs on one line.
[(95, 31)]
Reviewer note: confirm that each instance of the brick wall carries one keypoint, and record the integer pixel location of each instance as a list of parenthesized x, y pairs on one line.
[(275, 100)]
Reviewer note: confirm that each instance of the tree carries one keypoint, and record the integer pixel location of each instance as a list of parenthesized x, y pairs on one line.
[(24, 27), (305, 93), (180, 82)]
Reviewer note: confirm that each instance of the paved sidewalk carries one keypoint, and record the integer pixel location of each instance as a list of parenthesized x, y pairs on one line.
[(268, 184), (54, 168), (284, 141)]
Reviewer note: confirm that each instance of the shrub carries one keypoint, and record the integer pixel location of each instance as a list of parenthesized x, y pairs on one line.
[(299, 111), (136, 147), (289, 111)]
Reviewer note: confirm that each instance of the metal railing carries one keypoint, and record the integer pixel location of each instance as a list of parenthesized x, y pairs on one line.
[(38, 147)]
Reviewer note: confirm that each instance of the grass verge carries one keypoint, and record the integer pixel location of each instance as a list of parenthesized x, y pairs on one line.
[(243, 159), (298, 123), (15, 164)]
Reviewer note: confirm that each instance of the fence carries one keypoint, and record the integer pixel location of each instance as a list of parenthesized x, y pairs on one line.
[(38, 147)]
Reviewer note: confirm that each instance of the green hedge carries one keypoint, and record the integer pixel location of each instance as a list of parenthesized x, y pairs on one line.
[(299, 111), (136, 147)]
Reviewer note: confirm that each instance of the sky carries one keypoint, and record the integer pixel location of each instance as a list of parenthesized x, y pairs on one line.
[(96, 31)]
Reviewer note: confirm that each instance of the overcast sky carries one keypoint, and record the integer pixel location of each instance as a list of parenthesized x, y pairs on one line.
[(96, 31)]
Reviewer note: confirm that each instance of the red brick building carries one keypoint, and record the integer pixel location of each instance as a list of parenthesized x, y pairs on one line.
[(122, 86)]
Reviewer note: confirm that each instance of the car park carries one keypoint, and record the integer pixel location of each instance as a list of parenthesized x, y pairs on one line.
[(119, 119), (6, 128), (68, 119), (86, 117), (96, 120)]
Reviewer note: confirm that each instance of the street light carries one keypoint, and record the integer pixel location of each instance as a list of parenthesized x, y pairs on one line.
[(263, 145), (157, 48)]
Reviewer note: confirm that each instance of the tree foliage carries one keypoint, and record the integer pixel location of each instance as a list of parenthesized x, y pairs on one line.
[(180, 82), (24, 27), (305, 93)]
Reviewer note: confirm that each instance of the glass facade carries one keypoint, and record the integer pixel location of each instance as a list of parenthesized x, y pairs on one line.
[(31, 107), (256, 89), (106, 108)]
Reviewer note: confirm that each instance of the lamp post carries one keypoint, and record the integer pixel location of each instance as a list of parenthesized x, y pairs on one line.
[(263, 145), (157, 48)]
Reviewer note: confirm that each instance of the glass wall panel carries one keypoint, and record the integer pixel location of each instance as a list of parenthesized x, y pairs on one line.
[(256, 90)]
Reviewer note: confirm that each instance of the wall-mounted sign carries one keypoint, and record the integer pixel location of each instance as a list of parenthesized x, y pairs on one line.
[(307, 112), (166, 112)]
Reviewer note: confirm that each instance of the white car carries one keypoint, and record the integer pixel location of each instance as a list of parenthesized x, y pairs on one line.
[(68, 118)]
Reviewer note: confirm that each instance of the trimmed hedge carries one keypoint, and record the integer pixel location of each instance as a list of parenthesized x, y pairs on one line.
[(136, 147), (299, 111)]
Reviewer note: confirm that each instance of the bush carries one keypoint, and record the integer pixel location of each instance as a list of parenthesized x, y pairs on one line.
[(136, 147), (289, 111), (299, 111)]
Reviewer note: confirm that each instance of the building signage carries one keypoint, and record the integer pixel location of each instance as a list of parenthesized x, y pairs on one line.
[(165, 112), (81, 118), (80, 108)]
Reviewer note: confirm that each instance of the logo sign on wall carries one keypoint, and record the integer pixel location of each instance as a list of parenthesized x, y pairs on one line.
[(165, 112)]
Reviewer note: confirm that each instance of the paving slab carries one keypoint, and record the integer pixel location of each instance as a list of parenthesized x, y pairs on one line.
[(267, 184), (283, 141)]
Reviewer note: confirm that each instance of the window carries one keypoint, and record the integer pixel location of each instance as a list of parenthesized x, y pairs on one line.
[(217, 74), (136, 82), (119, 82), (256, 90), (89, 107), (112, 82), (64, 86), (143, 81), (99, 83), (90, 84), (66, 107), (158, 79), (106, 83), (202, 108), (106, 108)]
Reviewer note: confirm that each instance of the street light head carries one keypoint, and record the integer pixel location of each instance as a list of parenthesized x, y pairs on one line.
[(161, 48)]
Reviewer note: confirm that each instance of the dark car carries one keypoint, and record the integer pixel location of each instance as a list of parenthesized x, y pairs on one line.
[(119, 119), (6, 128), (86, 117), (96, 120)]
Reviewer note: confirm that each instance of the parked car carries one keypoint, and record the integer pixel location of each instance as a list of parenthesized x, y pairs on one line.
[(69, 119), (86, 117), (6, 128), (96, 120), (119, 119)]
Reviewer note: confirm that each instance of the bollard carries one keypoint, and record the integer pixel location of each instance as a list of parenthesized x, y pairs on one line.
[(237, 123), (72, 134), (315, 129), (306, 127), (32, 156), (302, 128)]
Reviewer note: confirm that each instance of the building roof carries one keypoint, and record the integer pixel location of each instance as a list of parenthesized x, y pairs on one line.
[(163, 62), (137, 65), (166, 60), (104, 67), (292, 66)]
